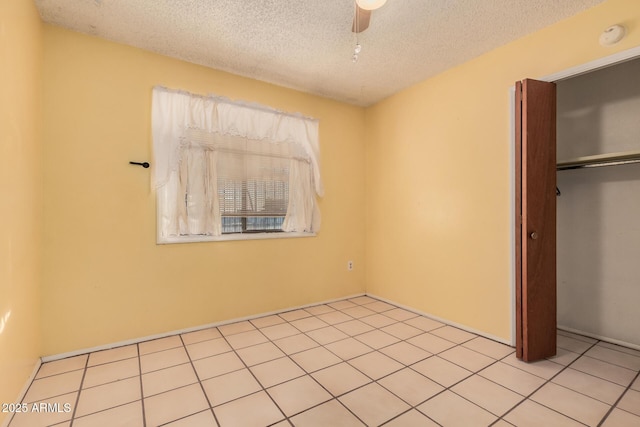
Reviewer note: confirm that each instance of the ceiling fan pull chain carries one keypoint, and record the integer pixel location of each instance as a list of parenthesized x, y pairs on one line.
[(356, 52)]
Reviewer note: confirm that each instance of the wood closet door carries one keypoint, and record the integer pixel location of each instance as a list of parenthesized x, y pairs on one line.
[(535, 220)]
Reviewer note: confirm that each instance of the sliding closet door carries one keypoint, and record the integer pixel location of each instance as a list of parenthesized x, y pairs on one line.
[(535, 220)]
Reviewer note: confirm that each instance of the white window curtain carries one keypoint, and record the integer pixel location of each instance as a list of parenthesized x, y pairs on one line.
[(207, 146)]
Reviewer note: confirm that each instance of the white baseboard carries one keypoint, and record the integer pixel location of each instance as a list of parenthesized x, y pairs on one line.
[(600, 337), (183, 331), (24, 390), (445, 321), (255, 316)]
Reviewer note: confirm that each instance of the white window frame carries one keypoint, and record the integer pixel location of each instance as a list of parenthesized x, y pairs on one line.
[(233, 236)]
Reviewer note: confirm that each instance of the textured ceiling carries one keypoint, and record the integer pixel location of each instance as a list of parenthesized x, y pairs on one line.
[(308, 44)]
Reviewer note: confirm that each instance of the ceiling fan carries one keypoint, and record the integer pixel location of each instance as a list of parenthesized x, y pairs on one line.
[(362, 14)]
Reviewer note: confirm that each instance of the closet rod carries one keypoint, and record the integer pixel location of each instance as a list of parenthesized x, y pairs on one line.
[(600, 160), (597, 165)]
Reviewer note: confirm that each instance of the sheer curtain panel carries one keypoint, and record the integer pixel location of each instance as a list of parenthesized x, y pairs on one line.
[(223, 168)]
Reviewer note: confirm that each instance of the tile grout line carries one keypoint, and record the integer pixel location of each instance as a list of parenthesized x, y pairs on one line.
[(372, 381), (457, 344), (612, 363), (145, 373), (615, 405), (309, 374), (12, 415), (269, 341), (406, 412), (235, 352), (409, 366), (144, 415), (334, 397), (186, 416), (596, 376), (184, 346), (618, 350), (449, 388), (498, 384), (586, 395), (86, 368), (306, 373), (373, 350), (75, 407), (401, 340), (105, 363), (375, 381), (528, 397)]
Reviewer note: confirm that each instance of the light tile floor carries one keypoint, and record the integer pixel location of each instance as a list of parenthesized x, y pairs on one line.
[(350, 363)]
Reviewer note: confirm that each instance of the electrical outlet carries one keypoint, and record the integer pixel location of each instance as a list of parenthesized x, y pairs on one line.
[(349, 265)]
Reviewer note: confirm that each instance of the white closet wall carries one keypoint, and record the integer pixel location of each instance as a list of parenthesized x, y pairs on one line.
[(598, 213)]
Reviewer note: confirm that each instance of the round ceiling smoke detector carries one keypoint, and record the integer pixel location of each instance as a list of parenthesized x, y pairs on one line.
[(612, 35)]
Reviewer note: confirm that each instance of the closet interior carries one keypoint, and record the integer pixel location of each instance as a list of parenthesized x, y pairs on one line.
[(598, 207)]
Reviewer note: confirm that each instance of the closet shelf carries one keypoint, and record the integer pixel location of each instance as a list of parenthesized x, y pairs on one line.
[(599, 160)]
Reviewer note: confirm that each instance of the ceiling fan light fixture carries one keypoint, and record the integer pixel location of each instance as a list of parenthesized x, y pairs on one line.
[(370, 4)]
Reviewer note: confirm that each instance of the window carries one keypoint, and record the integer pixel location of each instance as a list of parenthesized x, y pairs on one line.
[(253, 192), (226, 170)]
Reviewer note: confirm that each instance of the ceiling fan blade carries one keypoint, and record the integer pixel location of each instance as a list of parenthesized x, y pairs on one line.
[(361, 20)]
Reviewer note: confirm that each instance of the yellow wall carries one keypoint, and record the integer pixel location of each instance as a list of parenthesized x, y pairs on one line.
[(105, 279), (439, 184), (21, 194)]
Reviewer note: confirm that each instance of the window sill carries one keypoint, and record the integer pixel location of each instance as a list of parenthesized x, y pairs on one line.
[(232, 237)]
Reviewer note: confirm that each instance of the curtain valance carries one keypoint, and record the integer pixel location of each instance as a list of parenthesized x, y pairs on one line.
[(177, 114)]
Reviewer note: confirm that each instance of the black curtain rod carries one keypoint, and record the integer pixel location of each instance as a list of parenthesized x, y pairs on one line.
[(143, 164)]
